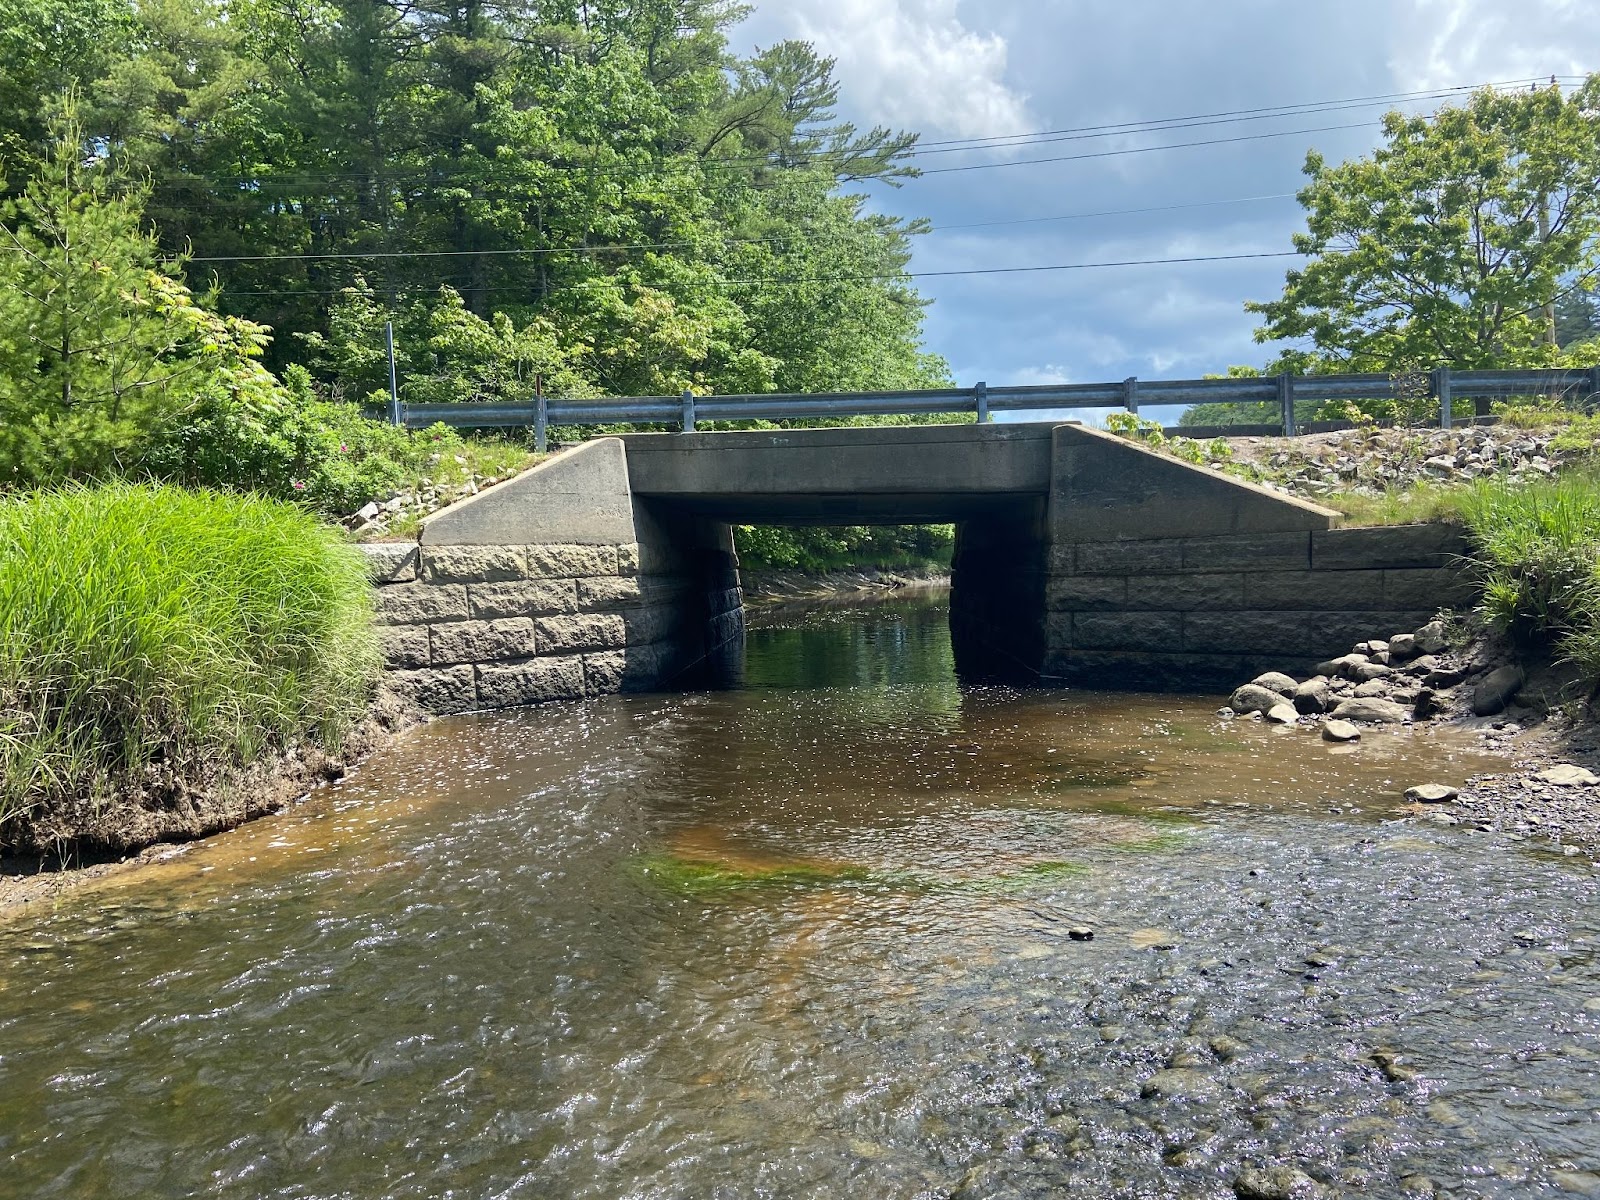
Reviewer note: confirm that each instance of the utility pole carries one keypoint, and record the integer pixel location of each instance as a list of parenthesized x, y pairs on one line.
[(394, 392)]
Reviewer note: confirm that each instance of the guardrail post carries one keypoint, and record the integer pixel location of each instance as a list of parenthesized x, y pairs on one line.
[(1286, 403), (981, 395), (1441, 389), (1130, 394), (687, 420), (541, 422)]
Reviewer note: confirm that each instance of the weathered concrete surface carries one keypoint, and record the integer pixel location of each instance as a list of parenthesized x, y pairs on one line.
[(898, 475), (580, 498), (1081, 558), (1105, 488)]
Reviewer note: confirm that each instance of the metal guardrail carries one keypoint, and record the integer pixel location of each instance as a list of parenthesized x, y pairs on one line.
[(1285, 391)]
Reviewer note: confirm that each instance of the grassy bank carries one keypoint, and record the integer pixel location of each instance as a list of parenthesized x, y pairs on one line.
[(1537, 550), (154, 640)]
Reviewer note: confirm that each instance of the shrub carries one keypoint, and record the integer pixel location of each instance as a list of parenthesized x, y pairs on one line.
[(151, 637)]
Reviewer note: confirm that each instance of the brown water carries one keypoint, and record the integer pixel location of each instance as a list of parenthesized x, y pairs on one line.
[(809, 939)]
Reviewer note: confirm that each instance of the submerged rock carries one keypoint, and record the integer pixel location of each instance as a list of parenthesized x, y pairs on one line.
[(1275, 1183)]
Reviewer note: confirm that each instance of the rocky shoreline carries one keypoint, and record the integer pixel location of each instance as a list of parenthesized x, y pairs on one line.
[(1539, 714)]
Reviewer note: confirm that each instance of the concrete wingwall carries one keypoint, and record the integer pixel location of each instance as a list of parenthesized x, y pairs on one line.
[(552, 586), (1168, 576), (1102, 564)]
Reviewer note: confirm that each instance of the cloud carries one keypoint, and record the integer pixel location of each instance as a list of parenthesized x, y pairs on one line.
[(909, 63), (1443, 43)]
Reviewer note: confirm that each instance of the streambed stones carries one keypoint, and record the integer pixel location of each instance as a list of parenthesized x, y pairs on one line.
[(1371, 709), (1253, 697), (1431, 793), (1275, 1183)]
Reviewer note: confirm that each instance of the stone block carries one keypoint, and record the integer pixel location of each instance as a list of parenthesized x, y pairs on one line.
[(534, 682), (1126, 671), (390, 562), (1305, 590), (450, 690), (609, 591), (1128, 558), (652, 623), (1435, 588), (1127, 631), (1087, 593), (628, 558), (1248, 552), (472, 564), (584, 631), (1185, 593), (725, 600), (531, 598), (1246, 633), (1333, 633), (636, 668), (420, 603), (725, 629), (570, 562), (404, 646), (648, 558), (1434, 545), (483, 641)]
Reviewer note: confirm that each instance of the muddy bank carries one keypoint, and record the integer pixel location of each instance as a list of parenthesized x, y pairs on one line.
[(779, 587), (140, 829)]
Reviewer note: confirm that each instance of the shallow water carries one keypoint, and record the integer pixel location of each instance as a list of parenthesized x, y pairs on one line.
[(809, 939)]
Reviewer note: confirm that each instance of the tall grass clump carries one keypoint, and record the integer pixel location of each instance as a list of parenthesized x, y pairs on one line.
[(153, 638), (1538, 552)]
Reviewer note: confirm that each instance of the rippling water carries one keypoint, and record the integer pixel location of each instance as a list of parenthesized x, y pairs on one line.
[(810, 939)]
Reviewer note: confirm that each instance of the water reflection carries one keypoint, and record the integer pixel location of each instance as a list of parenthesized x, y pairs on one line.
[(810, 939)]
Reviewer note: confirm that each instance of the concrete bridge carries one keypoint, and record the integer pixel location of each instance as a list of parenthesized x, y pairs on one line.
[(1081, 559)]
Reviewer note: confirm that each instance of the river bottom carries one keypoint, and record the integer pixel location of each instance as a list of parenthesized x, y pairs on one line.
[(813, 938)]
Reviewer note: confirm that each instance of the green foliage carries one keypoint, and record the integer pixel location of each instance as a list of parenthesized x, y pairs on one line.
[(150, 636), (1433, 250), (1140, 429), (818, 549), (100, 343), (1538, 545)]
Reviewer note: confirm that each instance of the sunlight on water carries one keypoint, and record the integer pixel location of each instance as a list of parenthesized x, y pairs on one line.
[(811, 938)]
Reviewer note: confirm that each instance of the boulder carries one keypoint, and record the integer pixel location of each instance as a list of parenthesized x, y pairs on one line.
[(1443, 677), (1495, 691), (1568, 775), (1365, 708), (1312, 696), (1283, 684), (1283, 714), (1370, 670), (1426, 704), (1431, 793), (1342, 665), (1402, 646), (1376, 646), (1253, 698), (1373, 687), (1340, 731), (1431, 638)]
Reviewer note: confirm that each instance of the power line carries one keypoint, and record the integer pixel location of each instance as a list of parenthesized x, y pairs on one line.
[(618, 247), (1279, 109), (876, 276)]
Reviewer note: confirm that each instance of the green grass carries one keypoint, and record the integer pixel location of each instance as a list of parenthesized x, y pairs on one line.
[(1538, 557), (1399, 506), (151, 635)]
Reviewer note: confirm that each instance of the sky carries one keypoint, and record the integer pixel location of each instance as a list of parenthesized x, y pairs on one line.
[(964, 69)]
